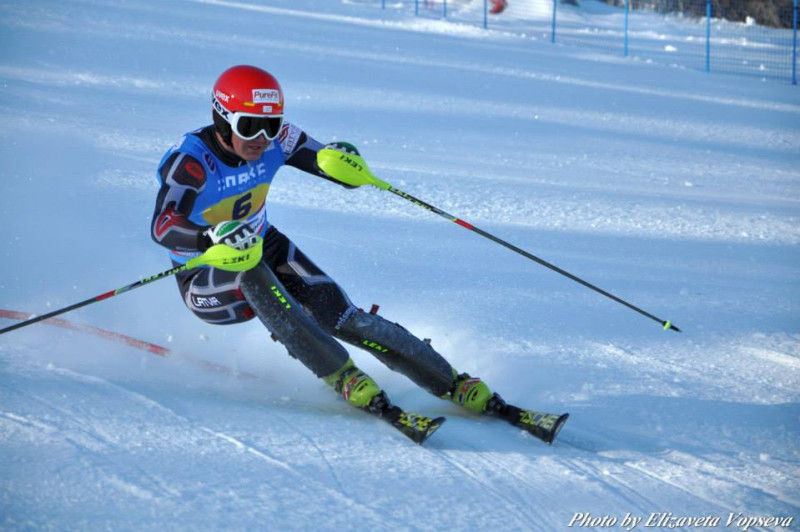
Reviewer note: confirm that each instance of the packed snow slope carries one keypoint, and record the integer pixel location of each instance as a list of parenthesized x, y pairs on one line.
[(673, 189)]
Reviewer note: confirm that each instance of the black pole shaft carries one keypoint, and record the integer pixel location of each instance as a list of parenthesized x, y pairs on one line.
[(427, 206), (43, 317), (95, 299)]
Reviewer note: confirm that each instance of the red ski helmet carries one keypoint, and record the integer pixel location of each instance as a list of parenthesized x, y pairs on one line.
[(248, 101)]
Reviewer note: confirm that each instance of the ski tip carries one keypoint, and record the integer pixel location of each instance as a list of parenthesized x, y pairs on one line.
[(432, 427), (415, 426), (556, 428)]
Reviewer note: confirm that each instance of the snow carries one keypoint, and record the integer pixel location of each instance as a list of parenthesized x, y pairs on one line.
[(671, 188)]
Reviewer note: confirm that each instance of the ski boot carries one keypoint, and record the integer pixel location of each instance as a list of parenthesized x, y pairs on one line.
[(358, 389), (474, 395), (355, 386), (470, 393)]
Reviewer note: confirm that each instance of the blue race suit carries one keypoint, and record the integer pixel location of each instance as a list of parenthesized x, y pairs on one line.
[(202, 184), (223, 192)]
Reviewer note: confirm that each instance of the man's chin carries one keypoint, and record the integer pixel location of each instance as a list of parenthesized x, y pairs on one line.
[(252, 155)]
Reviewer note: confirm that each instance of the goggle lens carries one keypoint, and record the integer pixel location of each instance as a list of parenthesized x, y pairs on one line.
[(249, 127)]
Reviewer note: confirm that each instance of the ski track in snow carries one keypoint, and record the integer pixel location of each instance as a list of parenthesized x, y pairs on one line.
[(94, 443)]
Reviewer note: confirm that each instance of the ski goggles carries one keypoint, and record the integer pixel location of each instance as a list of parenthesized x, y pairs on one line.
[(249, 126)]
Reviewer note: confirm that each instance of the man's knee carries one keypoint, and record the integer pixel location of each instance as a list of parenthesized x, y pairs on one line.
[(400, 350), (329, 306)]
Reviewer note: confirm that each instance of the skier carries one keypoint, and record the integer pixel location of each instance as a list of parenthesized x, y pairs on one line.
[(213, 187)]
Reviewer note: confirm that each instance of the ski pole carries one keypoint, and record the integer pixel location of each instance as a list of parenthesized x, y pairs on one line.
[(351, 169), (218, 256)]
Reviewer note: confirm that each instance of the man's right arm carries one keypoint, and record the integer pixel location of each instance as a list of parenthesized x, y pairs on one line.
[(183, 178)]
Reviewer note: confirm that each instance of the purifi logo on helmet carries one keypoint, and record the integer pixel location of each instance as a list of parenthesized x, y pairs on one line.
[(266, 96)]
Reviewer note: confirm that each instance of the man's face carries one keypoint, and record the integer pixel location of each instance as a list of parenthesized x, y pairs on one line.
[(249, 150)]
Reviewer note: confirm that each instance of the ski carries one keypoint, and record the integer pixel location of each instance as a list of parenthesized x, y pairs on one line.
[(539, 424), (415, 426)]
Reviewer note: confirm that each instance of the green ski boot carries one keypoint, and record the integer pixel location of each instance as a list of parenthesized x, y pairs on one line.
[(355, 386), (358, 389), (470, 393), (474, 395)]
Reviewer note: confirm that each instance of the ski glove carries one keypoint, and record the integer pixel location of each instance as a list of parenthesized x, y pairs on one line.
[(235, 234), (344, 147)]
